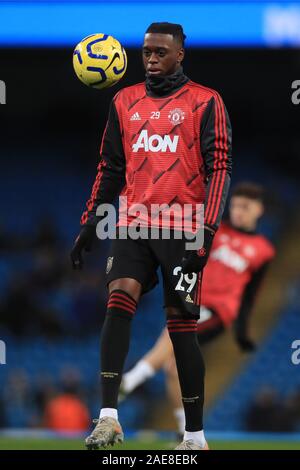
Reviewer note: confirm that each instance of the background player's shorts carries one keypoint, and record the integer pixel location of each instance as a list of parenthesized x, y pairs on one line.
[(140, 259), (209, 325)]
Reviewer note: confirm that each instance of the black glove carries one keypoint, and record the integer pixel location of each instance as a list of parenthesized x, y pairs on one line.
[(83, 241), (246, 344), (195, 260)]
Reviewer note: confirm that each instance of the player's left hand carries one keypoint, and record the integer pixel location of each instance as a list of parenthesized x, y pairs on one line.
[(84, 241), (246, 344), (195, 260)]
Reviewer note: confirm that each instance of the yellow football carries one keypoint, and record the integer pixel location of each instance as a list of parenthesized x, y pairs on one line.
[(99, 61)]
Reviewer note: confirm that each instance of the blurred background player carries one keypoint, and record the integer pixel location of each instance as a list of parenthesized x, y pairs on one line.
[(237, 264), (194, 167)]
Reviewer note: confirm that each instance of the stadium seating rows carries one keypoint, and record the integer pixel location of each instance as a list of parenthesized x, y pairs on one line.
[(271, 368), (35, 356)]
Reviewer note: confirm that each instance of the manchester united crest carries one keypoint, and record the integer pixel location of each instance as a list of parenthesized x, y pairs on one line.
[(176, 116), (109, 264)]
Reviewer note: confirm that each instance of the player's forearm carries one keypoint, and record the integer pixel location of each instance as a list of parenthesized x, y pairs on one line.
[(107, 187), (110, 177), (216, 149), (242, 321), (216, 196), (241, 325)]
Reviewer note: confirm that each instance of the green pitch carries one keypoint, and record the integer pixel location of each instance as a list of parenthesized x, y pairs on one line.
[(68, 444)]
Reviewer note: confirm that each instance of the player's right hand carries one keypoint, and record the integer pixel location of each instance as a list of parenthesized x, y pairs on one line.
[(246, 344), (84, 241), (194, 261)]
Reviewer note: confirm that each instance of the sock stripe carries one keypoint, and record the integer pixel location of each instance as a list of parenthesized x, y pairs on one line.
[(183, 330), (121, 302), (174, 322), (187, 323), (123, 297), (182, 325)]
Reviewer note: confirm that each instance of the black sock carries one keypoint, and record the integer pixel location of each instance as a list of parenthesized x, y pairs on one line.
[(191, 369), (115, 344)]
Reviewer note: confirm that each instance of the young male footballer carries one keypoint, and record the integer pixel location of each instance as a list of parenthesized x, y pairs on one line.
[(167, 142), (238, 260)]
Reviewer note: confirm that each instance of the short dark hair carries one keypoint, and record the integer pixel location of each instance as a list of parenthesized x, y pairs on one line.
[(168, 28), (250, 190)]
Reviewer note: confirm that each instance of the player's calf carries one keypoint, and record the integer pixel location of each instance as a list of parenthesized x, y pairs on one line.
[(115, 344), (190, 367), (114, 347)]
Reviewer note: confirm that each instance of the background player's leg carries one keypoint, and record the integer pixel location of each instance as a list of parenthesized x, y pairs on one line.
[(174, 393), (129, 285), (123, 297), (161, 352), (191, 370), (151, 363)]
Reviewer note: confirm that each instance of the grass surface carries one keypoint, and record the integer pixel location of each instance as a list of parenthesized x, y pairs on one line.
[(70, 444)]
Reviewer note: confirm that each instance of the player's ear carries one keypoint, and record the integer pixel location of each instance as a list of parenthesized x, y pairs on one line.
[(260, 209), (180, 55)]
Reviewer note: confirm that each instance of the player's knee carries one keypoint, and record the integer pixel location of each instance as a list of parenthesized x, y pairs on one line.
[(173, 312), (180, 322), (175, 315), (121, 304), (130, 286)]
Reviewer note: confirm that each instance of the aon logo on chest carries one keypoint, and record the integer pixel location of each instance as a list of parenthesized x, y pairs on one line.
[(155, 143)]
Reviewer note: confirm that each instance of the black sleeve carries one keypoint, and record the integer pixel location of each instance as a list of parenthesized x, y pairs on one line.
[(216, 149), (110, 177), (241, 323)]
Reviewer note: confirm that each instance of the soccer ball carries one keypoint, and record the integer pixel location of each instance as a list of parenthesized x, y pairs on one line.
[(99, 61)]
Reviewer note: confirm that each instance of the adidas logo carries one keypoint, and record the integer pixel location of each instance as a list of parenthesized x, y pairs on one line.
[(189, 299), (135, 117)]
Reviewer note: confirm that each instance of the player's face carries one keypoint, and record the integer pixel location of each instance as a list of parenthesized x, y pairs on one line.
[(162, 54), (244, 212)]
